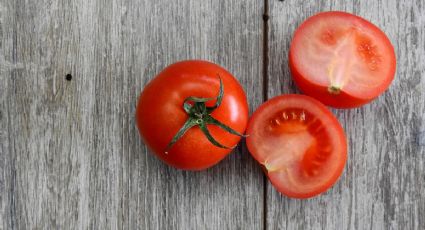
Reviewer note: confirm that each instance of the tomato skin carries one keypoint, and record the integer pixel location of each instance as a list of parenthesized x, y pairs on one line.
[(160, 115), (261, 144), (344, 99)]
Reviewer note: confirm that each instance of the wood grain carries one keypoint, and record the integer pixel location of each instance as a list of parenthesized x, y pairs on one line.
[(71, 157), (384, 179)]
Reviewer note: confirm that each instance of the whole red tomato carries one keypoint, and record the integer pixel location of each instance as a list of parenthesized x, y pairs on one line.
[(192, 114)]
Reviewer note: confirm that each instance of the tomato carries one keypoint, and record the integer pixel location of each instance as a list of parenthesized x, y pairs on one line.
[(300, 144), (341, 59), (181, 118)]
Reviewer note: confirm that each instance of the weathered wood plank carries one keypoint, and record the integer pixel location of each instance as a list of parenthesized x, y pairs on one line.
[(383, 183), (70, 154)]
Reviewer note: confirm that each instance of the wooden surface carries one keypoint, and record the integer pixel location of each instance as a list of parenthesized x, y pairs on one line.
[(71, 157)]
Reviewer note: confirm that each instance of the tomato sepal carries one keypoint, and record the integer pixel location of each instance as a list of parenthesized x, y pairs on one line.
[(200, 115)]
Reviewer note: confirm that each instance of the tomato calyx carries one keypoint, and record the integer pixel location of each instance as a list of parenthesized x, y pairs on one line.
[(200, 115)]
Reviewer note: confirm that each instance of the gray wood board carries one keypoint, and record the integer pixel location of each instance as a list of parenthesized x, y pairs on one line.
[(384, 180), (71, 156)]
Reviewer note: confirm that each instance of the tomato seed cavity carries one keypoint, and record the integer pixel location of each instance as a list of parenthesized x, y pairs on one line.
[(283, 117)]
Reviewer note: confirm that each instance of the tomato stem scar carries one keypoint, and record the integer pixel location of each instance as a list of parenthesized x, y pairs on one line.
[(200, 115), (334, 89)]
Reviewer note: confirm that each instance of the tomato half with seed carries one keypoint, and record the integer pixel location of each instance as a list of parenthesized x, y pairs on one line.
[(300, 144), (341, 59), (192, 114)]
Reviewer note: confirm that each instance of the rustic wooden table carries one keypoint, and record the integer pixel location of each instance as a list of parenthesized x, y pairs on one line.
[(71, 156)]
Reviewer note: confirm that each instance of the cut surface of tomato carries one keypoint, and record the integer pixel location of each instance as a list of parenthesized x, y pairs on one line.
[(299, 142), (341, 59)]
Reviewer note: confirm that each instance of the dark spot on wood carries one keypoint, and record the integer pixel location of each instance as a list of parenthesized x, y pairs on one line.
[(265, 17), (68, 77)]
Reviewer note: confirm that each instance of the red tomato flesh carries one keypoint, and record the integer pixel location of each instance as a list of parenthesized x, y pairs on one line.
[(299, 142), (341, 59)]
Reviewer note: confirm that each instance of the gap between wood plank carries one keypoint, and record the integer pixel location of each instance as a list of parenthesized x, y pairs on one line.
[(265, 92)]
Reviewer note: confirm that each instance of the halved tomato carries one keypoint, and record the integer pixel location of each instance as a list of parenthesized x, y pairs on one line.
[(341, 59), (299, 142)]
